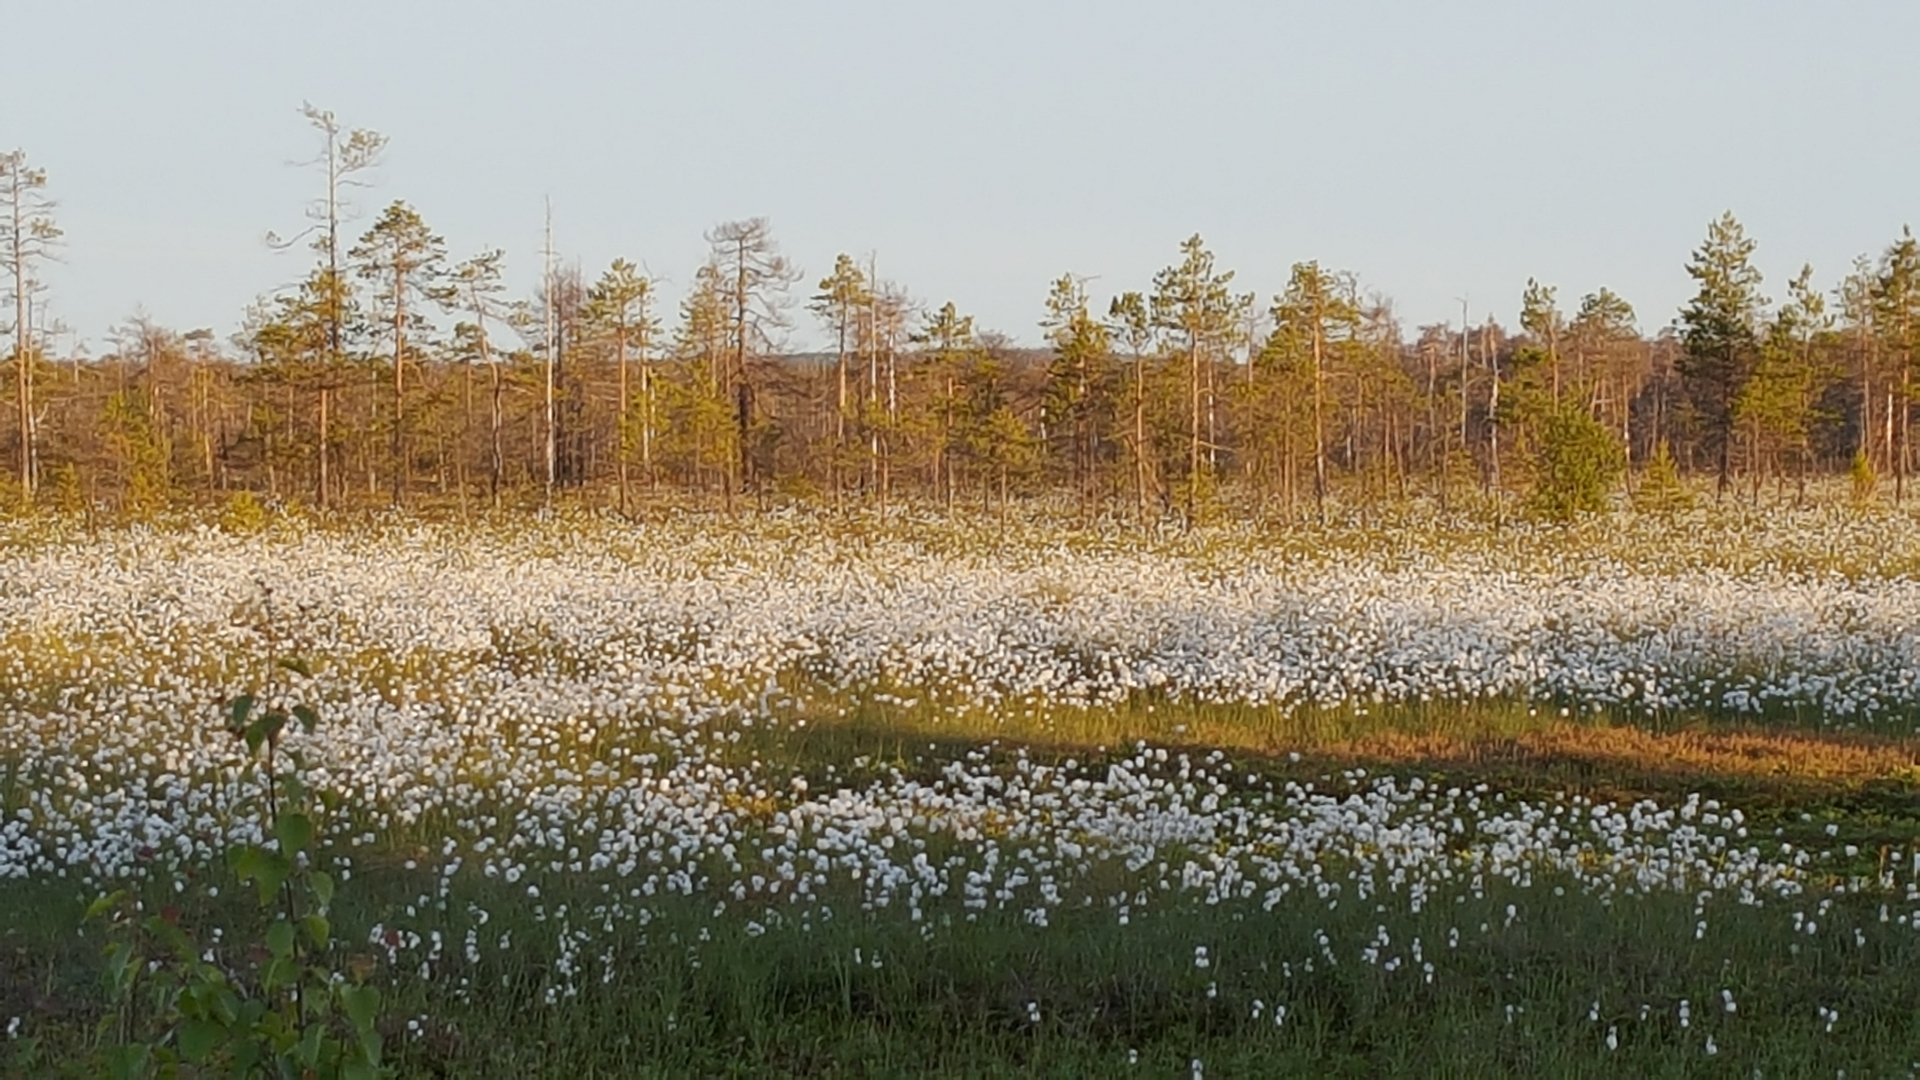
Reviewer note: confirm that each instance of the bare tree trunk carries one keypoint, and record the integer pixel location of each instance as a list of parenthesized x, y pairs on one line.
[(1193, 424), (326, 429), (1140, 434), (399, 440), (1319, 421), (498, 462), (22, 329), (620, 361)]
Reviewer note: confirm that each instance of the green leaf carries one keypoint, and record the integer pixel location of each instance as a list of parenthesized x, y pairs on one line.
[(307, 717), (128, 1062), (265, 729), (317, 930), (279, 973), (104, 904), (239, 712), (119, 972), (308, 1053), (280, 938), (297, 665), (321, 883), (362, 1003), (227, 1006), (198, 1038), (266, 869), (294, 830)]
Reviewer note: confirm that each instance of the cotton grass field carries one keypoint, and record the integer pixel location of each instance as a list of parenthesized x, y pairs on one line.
[(802, 794)]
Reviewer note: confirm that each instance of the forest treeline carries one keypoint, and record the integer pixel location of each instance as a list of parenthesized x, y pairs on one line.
[(397, 372)]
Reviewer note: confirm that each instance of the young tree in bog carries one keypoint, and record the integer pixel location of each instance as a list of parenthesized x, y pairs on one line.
[(702, 430), (1897, 303), (1779, 405), (842, 297), (1579, 462), (1609, 356), (1540, 316), (1320, 312), (404, 260), (1077, 379), (28, 236), (1720, 333), (1130, 320), (947, 349), (619, 313), (1857, 297), (1192, 303)]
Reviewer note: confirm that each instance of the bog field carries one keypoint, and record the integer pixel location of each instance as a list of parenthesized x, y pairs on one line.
[(804, 794)]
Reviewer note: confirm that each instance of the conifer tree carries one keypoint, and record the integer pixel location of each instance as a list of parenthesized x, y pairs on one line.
[(948, 348), (1779, 405), (1192, 304), (753, 277), (1130, 320), (404, 260), (1076, 379), (1719, 330), (344, 154), (1897, 312), (1320, 314), (842, 297), (1608, 354), (619, 313)]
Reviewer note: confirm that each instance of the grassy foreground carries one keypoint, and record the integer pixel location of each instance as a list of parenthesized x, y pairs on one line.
[(1549, 979), (607, 801)]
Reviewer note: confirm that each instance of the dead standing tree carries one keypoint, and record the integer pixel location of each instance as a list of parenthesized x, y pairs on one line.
[(27, 237), (343, 155)]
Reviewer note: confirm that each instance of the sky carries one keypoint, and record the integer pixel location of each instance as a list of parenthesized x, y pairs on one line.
[(1441, 151)]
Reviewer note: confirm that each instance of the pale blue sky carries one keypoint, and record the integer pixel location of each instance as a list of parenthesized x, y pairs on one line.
[(1439, 150)]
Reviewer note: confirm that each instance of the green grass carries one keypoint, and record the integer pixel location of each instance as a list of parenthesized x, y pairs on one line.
[(872, 993), (692, 992)]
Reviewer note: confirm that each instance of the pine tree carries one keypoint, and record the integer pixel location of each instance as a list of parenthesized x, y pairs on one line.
[(948, 348), (1896, 299), (1661, 490), (404, 260), (1719, 329), (1320, 314), (619, 314), (842, 297), (1579, 463), (343, 156), (1076, 380), (1779, 405), (1130, 320), (1609, 355), (1191, 302)]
